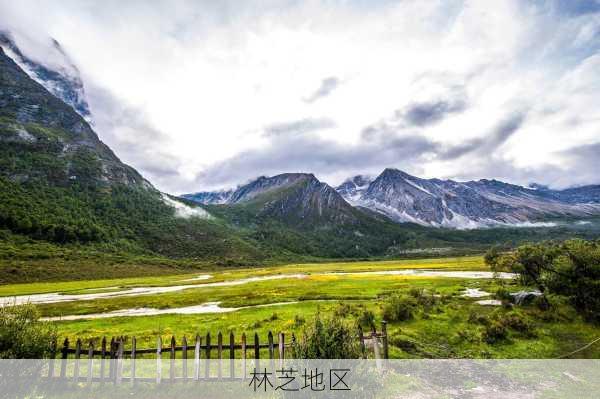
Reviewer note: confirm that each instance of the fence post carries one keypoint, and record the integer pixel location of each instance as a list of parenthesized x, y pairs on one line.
[(220, 355), (244, 355), (52, 358), (90, 363), (197, 357), (63, 363), (256, 352), (77, 357), (231, 355), (184, 349), (361, 339), (207, 361), (111, 368), (158, 359), (102, 361), (133, 356), (271, 350), (119, 365), (281, 348), (384, 338), (172, 361)]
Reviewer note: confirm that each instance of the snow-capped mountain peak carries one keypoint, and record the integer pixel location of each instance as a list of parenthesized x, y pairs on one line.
[(58, 73), (353, 188)]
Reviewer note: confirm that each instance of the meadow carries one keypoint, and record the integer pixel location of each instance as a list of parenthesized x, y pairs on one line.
[(444, 322)]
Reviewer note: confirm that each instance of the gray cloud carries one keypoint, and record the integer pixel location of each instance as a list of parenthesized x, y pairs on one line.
[(301, 126), (582, 159), (126, 130), (507, 128), (294, 153), (429, 113), (504, 130), (328, 85), (495, 167)]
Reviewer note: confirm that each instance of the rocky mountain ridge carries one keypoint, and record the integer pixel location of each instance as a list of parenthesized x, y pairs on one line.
[(438, 203), (38, 128), (448, 203), (298, 197)]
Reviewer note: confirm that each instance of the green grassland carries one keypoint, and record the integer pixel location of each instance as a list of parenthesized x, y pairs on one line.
[(453, 326)]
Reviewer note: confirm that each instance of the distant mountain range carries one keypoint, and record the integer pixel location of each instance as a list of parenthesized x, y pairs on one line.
[(434, 202)]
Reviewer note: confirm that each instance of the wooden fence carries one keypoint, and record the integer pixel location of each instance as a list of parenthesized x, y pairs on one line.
[(111, 355)]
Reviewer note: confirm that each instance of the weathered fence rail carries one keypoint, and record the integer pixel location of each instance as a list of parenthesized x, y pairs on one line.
[(205, 354)]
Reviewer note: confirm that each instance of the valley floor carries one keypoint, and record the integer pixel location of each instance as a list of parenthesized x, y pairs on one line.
[(286, 298)]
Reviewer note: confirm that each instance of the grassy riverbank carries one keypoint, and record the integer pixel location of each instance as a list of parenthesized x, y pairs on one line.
[(453, 325)]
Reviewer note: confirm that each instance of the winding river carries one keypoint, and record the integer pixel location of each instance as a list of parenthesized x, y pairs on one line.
[(56, 297)]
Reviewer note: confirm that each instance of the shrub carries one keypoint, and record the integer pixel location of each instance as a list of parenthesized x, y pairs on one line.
[(424, 298), (499, 324), (503, 295), (491, 257), (467, 336), (257, 324), (273, 317), (476, 317), (327, 339), (558, 306), (367, 319), (494, 332), (343, 310), (23, 335), (298, 321), (399, 308), (403, 343), (517, 323)]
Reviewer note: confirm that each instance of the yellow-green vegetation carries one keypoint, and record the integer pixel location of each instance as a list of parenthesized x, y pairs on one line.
[(441, 321), (471, 263), (23, 335)]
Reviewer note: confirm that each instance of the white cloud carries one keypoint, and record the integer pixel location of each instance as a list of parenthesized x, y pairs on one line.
[(210, 76), (184, 211)]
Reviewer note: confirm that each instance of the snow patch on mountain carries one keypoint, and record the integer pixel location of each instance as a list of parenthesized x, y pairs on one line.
[(210, 197), (353, 188), (415, 185)]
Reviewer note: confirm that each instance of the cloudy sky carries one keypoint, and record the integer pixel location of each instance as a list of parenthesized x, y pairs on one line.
[(203, 95)]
